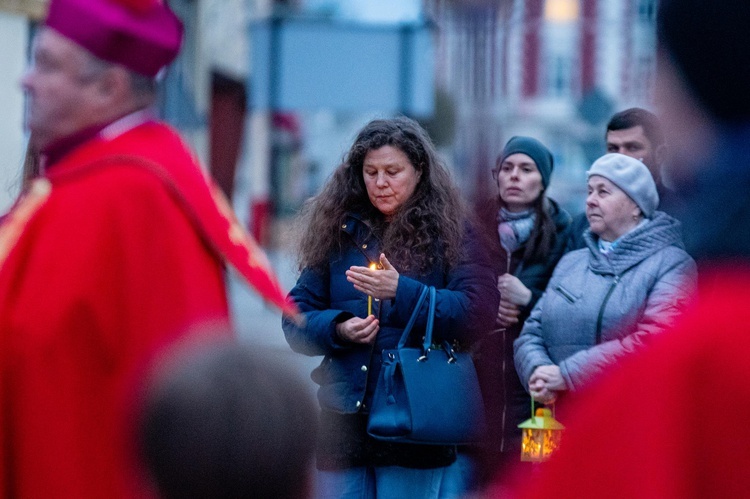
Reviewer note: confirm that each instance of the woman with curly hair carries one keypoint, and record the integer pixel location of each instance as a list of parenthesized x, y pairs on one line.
[(390, 205)]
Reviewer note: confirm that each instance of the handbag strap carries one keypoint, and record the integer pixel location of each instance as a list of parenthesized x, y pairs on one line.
[(430, 321), (413, 318)]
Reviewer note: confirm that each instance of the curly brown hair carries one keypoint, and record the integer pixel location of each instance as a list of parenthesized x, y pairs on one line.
[(426, 230)]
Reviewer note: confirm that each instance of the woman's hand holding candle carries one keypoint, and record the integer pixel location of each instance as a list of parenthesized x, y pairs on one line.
[(358, 330), (380, 284)]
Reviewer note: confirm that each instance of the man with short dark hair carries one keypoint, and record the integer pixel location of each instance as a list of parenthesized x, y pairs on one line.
[(114, 252), (637, 133)]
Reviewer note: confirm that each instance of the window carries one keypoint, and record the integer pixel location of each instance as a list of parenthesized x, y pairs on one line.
[(647, 10)]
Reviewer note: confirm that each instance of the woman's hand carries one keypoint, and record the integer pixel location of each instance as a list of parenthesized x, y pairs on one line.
[(358, 330), (545, 383), (512, 290), (551, 375), (380, 284), (507, 313), (541, 394)]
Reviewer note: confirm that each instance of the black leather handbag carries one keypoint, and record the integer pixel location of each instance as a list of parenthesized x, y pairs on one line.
[(428, 394)]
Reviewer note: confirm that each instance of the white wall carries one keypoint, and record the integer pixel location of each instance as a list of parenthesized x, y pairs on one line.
[(13, 40), (610, 48)]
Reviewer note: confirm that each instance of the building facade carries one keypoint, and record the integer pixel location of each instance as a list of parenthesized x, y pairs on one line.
[(553, 69), (16, 17)]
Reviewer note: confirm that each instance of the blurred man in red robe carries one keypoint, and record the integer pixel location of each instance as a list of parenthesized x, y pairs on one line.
[(116, 251)]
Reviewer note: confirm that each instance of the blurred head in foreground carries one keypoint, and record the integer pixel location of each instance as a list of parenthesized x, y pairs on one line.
[(703, 74), (702, 94), (226, 420)]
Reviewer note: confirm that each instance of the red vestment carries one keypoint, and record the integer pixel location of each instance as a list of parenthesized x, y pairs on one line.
[(121, 257)]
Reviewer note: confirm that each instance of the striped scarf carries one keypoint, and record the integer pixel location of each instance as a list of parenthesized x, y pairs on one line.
[(514, 229)]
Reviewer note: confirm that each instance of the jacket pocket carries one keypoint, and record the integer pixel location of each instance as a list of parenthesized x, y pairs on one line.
[(322, 374), (569, 297)]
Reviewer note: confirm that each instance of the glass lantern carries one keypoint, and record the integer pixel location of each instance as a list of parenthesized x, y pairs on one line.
[(541, 436)]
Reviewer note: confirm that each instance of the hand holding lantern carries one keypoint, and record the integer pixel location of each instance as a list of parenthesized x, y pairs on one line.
[(545, 383)]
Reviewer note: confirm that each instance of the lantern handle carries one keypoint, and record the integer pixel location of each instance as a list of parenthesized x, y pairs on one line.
[(552, 406)]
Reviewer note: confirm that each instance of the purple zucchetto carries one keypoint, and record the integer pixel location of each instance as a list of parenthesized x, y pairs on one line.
[(142, 35)]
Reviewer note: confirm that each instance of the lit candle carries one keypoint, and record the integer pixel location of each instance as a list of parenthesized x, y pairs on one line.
[(373, 266)]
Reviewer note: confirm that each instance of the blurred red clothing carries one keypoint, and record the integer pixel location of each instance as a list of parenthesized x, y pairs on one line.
[(99, 275), (670, 423)]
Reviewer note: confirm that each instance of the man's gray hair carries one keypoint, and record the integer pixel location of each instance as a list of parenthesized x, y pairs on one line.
[(143, 87)]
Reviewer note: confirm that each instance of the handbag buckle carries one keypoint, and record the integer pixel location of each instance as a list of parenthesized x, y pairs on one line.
[(449, 352)]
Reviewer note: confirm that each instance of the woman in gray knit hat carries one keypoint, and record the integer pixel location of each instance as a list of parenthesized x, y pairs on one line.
[(606, 300)]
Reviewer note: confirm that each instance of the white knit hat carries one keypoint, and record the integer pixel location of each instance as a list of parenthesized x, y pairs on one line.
[(631, 176)]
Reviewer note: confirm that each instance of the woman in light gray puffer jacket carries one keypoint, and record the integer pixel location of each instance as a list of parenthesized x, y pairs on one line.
[(605, 301)]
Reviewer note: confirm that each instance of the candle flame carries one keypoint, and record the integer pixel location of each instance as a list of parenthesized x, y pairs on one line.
[(373, 266)]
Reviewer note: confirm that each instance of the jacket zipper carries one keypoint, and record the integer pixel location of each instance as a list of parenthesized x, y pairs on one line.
[(504, 371), (358, 245), (598, 338), (505, 395)]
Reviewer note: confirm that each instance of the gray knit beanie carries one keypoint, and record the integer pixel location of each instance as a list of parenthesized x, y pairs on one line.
[(631, 176)]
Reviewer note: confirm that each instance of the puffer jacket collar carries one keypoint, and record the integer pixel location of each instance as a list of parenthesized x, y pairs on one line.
[(561, 219), (363, 236), (634, 247)]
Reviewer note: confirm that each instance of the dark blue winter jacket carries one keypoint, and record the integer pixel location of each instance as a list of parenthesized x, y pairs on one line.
[(467, 300)]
